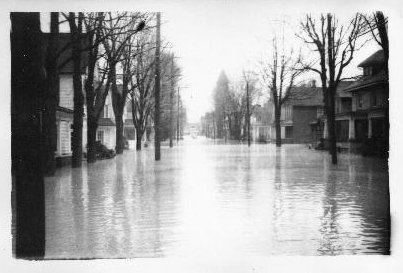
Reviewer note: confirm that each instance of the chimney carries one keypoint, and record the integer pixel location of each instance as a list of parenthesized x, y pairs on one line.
[(313, 83)]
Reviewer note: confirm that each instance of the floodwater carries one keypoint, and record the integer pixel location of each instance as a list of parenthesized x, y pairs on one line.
[(205, 199)]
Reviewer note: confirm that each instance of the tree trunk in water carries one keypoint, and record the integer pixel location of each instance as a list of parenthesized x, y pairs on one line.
[(332, 125), (119, 134), (27, 85), (92, 127), (157, 136), (77, 138), (248, 111), (51, 99), (118, 105), (171, 119), (249, 130), (277, 119), (139, 136)]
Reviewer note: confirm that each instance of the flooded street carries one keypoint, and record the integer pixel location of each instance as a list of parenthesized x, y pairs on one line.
[(207, 200)]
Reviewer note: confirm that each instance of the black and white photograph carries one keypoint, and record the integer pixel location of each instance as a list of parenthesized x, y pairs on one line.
[(229, 136)]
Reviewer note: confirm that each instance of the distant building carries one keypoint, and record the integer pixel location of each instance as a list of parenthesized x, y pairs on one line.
[(106, 131), (361, 107), (208, 125), (299, 115), (369, 106), (260, 128), (65, 108), (129, 131), (343, 102)]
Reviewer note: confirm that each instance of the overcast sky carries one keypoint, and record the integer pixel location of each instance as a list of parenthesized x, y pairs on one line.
[(220, 36), (228, 38)]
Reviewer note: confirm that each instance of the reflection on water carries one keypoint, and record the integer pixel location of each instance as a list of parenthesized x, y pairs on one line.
[(206, 200)]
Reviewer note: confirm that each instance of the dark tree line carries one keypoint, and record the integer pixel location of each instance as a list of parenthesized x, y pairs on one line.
[(233, 105)]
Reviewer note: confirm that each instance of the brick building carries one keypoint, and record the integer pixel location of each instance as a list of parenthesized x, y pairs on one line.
[(301, 110), (368, 123)]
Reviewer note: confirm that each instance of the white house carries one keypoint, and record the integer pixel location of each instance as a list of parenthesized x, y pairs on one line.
[(106, 132)]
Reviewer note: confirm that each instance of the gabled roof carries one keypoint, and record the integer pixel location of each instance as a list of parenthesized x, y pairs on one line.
[(378, 58), (65, 50), (305, 96)]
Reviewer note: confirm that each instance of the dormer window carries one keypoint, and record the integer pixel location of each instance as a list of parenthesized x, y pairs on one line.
[(367, 71)]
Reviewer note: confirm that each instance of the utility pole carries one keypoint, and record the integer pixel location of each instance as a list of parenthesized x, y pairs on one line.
[(247, 111), (171, 106), (157, 144), (213, 127), (177, 119)]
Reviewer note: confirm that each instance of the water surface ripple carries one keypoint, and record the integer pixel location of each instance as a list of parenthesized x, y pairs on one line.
[(204, 200)]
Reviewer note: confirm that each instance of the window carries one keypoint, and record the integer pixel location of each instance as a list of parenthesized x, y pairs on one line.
[(320, 112), (342, 130), (368, 71), (288, 132), (71, 136), (373, 99), (106, 111), (100, 136), (359, 101)]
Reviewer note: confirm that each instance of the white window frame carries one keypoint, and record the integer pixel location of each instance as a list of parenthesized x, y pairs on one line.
[(101, 136)]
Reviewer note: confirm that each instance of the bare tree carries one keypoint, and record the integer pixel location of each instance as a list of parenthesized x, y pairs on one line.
[(157, 87), (377, 24), (279, 74), (124, 26), (171, 74), (249, 79), (335, 44), (142, 84), (95, 90), (235, 109)]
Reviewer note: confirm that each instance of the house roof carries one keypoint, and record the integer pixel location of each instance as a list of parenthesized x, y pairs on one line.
[(65, 51), (313, 96), (376, 58), (64, 109), (105, 122), (305, 96), (379, 78), (341, 92)]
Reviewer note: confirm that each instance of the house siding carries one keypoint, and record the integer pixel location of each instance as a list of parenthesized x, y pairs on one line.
[(64, 137), (109, 138), (301, 119), (66, 92)]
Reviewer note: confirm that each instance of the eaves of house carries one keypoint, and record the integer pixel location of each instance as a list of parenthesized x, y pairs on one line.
[(106, 122), (366, 82)]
